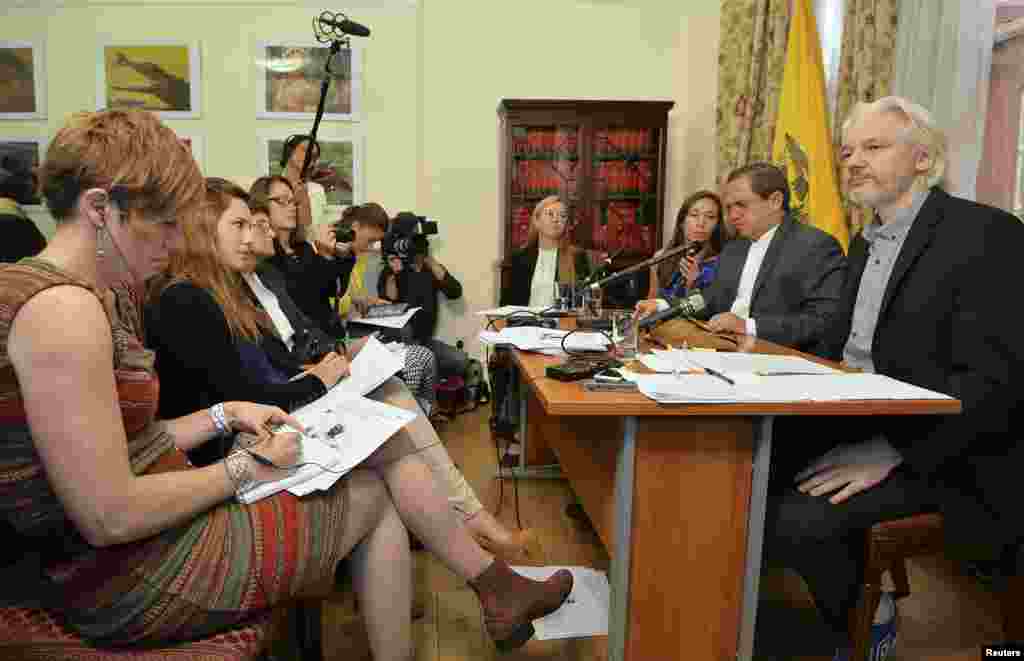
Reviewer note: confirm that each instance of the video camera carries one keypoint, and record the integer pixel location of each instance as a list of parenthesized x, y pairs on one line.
[(407, 236)]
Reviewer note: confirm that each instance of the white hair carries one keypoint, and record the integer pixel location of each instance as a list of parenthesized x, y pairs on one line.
[(921, 130)]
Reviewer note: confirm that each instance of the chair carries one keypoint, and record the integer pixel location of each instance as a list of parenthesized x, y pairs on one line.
[(32, 634), (887, 546)]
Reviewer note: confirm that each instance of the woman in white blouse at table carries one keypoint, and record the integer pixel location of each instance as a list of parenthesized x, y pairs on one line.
[(548, 257)]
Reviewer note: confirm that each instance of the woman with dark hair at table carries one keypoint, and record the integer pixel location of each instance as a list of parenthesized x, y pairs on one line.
[(698, 225)]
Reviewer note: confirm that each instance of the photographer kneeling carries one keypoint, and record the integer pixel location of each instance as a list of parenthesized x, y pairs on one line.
[(410, 275)]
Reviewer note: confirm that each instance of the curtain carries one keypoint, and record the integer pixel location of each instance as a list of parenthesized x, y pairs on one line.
[(751, 57), (865, 68), (943, 60), (997, 174)]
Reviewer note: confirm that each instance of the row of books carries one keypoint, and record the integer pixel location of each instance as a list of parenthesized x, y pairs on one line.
[(545, 140), (543, 177), (566, 140)]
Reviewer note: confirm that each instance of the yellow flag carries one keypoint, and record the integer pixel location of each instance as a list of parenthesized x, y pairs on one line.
[(802, 137)]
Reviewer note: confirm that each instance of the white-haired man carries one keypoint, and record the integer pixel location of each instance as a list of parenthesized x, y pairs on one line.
[(925, 301)]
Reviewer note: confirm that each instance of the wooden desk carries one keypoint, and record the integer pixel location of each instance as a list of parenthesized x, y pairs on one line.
[(677, 495)]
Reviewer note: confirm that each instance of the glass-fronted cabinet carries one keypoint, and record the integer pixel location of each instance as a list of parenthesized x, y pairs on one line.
[(605, 159)]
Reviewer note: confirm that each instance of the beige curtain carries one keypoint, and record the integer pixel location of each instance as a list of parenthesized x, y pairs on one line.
[(751, 58), (865, 67)]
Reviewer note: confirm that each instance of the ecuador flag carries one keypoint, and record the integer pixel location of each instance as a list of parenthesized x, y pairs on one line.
[(802, 137)]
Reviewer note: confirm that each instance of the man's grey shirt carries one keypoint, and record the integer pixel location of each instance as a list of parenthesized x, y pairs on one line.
[(884, 244)]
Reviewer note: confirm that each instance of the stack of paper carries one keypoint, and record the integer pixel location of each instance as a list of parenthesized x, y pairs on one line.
[(534, 338), (731, 364), (510, 309), (777, 388), (343, 427)]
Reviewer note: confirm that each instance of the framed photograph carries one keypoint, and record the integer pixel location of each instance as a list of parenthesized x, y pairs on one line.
[(158, 76), (339, 169), (290, 75), (22, 154), (197, 144), (22, 80)]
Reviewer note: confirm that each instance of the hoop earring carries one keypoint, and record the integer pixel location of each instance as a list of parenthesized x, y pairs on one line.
[(99, 242)]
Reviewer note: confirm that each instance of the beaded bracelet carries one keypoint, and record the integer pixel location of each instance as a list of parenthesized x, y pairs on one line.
[(237, 465), (220, 420)]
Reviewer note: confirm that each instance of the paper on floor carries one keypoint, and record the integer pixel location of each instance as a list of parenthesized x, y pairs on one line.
[(584, 613)]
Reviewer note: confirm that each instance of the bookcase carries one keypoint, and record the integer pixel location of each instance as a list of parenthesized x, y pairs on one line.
[(604, 158)]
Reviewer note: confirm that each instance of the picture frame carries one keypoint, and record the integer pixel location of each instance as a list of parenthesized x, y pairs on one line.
[(342, 154), (160, 76), (22, 80), (28, 150), (290, 75)]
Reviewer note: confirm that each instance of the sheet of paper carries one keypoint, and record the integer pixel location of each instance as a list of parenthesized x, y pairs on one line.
[(730, 363), (342, 430), (584, 613), (396, 322), (372, 366), (534, 338), (705, 388), (509, 309)]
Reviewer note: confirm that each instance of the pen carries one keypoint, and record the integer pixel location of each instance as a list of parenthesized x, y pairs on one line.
[(716, 374)]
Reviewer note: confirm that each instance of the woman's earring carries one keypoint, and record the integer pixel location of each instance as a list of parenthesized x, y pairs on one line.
[(99, 241)]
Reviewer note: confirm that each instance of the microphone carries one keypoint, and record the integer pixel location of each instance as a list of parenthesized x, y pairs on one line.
[(640, 266), (694, 248), (690, 306), (345, 26), (601, 271)]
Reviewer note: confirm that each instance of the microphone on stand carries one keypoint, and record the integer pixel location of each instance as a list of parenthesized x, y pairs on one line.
[(689, 306), (341, 24), (640, 266), (603, 270)]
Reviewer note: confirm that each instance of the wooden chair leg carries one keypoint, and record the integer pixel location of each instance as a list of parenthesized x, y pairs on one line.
[(1012, 605), (864, 614), (898, 571), (309, 630)]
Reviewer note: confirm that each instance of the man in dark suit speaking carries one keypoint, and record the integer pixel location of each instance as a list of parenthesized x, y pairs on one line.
[(780, 280), (925, 301)]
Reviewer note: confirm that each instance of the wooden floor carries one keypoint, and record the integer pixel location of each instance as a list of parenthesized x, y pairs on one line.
[(947, 617)]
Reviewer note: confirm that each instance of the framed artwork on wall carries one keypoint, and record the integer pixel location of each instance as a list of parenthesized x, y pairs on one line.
[(22, 154), (160, 76), (339, 170), (22, 80), (290, 75)]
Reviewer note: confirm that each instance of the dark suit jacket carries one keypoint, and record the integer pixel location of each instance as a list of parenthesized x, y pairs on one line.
[(797, 288), (517, 274), (949, 322), (275, 348)]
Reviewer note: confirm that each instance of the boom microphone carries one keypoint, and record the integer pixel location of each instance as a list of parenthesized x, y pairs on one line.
[(689, 306), (344, 25)]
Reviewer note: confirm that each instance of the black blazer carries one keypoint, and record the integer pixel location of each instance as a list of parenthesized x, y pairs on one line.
[(949, 323), (796, 291), (517, 274)]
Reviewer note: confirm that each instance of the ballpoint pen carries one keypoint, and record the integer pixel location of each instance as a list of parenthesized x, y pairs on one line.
[(716, 374)]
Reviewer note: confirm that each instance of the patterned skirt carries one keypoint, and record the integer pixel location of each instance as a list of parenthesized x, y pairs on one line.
[(221, 569)]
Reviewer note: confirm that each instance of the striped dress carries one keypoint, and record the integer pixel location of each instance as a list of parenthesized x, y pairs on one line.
[(187, 582)]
